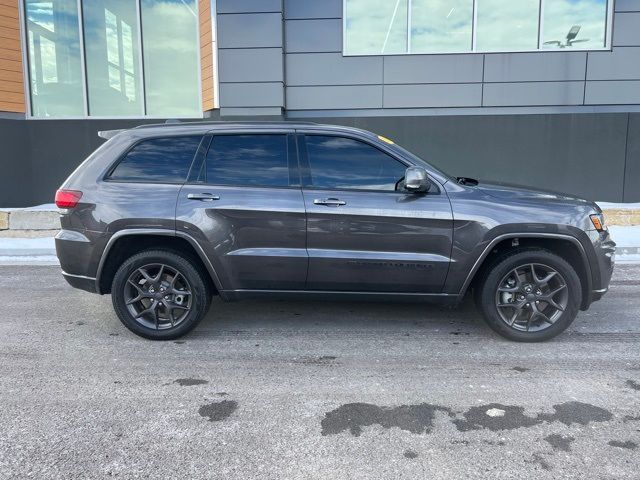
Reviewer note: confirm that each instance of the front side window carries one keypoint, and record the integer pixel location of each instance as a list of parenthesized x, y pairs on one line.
[(380, 27), (258, 160), (158, 160), (345, 163)]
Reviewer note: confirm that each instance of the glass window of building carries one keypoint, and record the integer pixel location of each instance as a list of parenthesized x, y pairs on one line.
[(170, 46), (441, 26), (55, 71), (112, 56), (572, 24), (374, 27), (507, 25)]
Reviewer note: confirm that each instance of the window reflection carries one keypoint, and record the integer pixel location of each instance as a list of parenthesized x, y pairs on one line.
[(441, 25), (53, 43), (376, 26), (573, 24), (111, 45), (170, 45), (507, 25)]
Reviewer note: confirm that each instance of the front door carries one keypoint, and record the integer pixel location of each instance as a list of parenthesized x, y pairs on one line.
[(244, 205), (364, 231)]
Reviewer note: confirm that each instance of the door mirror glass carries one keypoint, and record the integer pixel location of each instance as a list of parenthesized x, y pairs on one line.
[(416, 180)]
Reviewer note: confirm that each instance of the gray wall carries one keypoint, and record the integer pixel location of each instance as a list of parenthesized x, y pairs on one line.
[(318, 77), (596, 156)]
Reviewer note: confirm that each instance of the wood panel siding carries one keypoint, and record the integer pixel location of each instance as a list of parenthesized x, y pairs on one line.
[(11, 73), (206, 54)]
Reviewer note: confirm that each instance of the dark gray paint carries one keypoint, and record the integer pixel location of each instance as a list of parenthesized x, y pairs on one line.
[(427, 246)]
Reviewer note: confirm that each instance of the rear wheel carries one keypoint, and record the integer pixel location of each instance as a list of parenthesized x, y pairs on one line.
[(159, 294), (529, 295)]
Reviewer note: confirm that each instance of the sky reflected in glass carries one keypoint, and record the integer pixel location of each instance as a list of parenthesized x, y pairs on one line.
[(441, 25), (511, 25)]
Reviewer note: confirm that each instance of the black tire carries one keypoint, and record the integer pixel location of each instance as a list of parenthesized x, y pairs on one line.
[(490, 294), (189, 279)]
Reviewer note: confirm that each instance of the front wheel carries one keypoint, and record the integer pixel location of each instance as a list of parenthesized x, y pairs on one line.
[(530, 296), (159, 294)]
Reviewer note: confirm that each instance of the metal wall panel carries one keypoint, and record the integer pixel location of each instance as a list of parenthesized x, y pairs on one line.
[(255, 94), (434, 95), (631, 188), (627, 31), (533, 93), (255, 6), (332, 69), (627, 5), (326, 97), (530, 67), (613, 92), (433, 69), (323, 35), (250, 30), (623, 63), (313, 8), (248, 64)]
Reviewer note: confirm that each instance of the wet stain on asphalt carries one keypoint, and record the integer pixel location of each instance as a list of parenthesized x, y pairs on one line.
[(508, 417), (558, 442), (410, 454), (539, 459), (628, 445), (354, 416), (419, 418), (520, 369), (189, 382), (324, 360), (633, 384), (218, 411)]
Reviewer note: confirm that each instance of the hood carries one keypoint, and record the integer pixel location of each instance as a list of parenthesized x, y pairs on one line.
[(506, 191)]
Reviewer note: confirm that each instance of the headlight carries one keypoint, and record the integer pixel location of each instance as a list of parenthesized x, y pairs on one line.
[(598, 221)]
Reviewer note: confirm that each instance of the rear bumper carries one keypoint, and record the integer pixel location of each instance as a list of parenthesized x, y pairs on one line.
[(88, 284)]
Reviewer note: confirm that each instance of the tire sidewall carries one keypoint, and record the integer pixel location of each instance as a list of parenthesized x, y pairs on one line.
[(200, 295), (502, 267)]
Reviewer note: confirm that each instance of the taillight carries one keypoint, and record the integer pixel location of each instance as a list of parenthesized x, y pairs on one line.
[(67, 198)]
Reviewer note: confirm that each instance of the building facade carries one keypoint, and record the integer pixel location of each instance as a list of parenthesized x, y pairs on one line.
[(544, 93)]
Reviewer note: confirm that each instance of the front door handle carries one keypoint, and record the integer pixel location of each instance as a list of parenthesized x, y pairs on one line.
[(204, 197), (330, 202)]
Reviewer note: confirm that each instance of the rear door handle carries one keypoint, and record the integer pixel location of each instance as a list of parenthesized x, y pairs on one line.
[(204, 197), (330, 202)]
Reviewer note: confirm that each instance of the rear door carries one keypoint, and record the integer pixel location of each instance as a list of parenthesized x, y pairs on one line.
[(364, 231), (243, 204)]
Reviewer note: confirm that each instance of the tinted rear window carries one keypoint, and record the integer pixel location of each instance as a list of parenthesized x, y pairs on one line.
[(158, 160), (251, 160)]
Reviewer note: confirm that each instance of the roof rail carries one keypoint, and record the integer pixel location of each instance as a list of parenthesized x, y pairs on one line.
[(175, 122)]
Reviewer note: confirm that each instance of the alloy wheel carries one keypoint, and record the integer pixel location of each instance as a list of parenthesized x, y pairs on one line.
[(158, 296), (531, 297)]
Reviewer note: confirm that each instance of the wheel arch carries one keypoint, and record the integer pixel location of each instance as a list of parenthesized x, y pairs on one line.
[(126, 243), (566, 246)]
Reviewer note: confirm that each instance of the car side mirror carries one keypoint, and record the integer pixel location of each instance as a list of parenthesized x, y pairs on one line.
[(416, 180)]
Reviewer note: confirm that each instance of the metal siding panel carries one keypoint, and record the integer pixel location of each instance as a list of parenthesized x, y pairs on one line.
[(631, 190), (627, 29), (313, 35), (251, 94), (433, 69), (434, 95), (247, 65), (623, 63), (248, 6), (313, 8), (250, 30), (318, 98), (627, 6), (533, 93), (332, 69), (523, 67), (613, 93)]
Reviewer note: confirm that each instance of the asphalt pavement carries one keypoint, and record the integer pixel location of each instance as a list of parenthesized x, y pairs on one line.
[(288, 390)]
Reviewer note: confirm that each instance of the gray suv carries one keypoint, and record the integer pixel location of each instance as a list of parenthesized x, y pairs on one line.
[(163, 217)]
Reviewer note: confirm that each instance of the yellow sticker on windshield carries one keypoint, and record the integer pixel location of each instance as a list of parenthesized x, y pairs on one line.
[(385, 140)]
